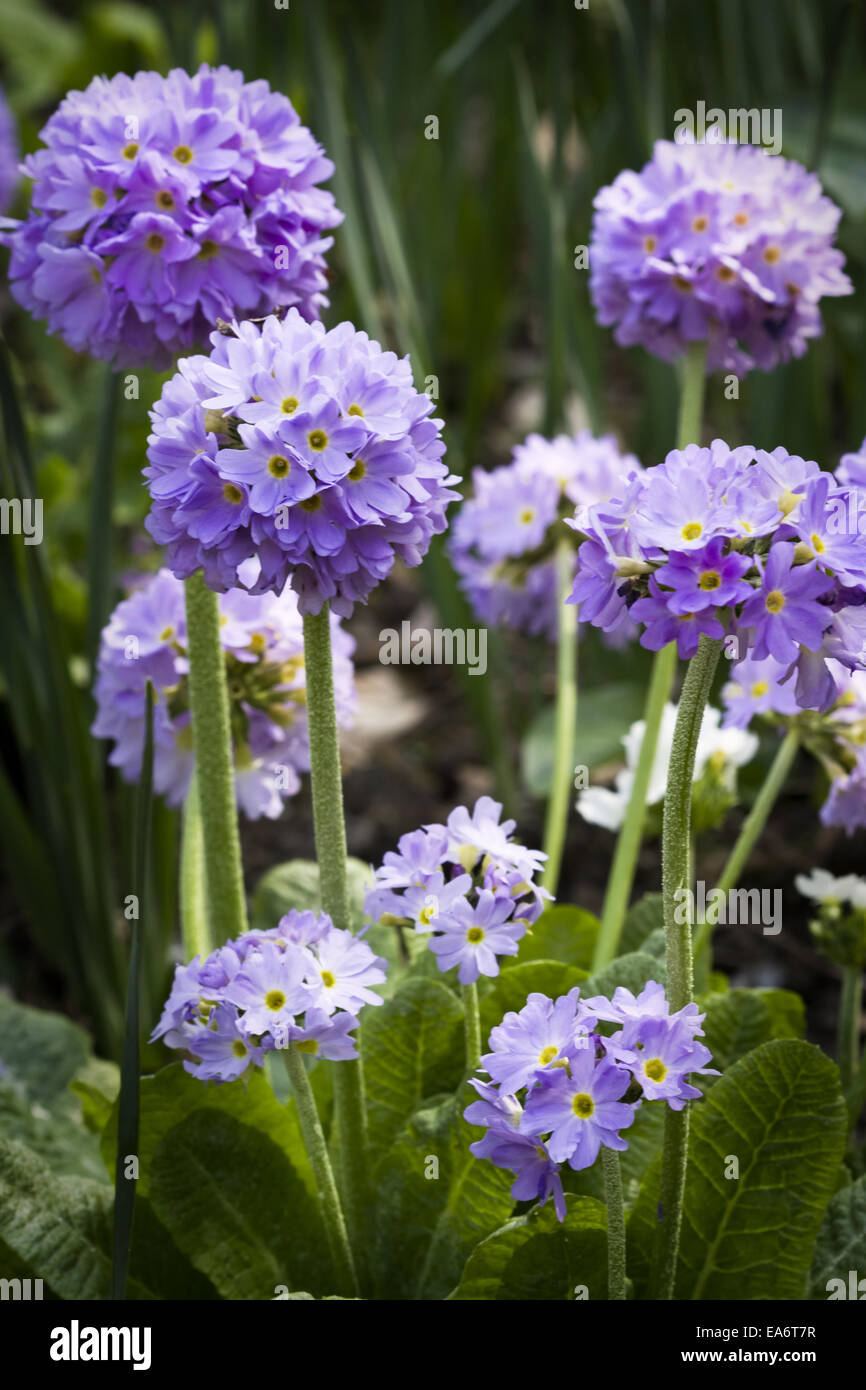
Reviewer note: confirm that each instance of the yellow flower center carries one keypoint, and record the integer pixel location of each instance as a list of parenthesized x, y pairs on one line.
[(318, 440), (274, 1000), (526, 515), (354, 410), (649, 244), (328, 979), (130, 151), (817, 544), (725, 274), (775, 601), (183, 154), (155, 242), (309, 1046), (312, 504), (426, 915), (98, 197), (164, 199), (758, 689), (700, 224), (741, 218), (232, 493), (289, 405), (655, 1069), (681, 283), (357, 471), (166, 633), (474, 935), (278, 466), (239, 1049), (710, 579), (691, 531), (207, 250), (772, 254), (583, 1105), (547, 1054)]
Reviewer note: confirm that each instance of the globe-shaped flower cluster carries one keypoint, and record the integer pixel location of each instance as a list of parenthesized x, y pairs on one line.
[(295, 454), (759, 546), (503, 539), (300, 983), (161, 204), (718, 242), (263, 643), (561, 1087), (468, 883)]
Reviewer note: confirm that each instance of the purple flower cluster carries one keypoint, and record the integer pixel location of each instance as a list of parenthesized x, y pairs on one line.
[(722, 243), (836, 737), (503, 538), (8, 154), (292, 453), (559, 1088), (263, 641), (720, 541), (302, 982), (163, 203), (467, 882)]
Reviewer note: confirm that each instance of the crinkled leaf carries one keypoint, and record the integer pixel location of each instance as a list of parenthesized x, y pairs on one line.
[(841, 1243), (511, 988), (562, 933), (537, 1257)]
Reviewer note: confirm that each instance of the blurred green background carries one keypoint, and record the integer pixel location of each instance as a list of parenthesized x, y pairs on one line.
[(458, 249)]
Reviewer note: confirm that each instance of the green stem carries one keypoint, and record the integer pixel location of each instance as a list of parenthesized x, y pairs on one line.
[(619, 886), (616, 1249), (752, 827), (857, 1093), (195, 926), (849, 1025), (676, 878), (317, 1152), (330, 832), (472, 1028), (209, 702), (629, 840), (565, 726)]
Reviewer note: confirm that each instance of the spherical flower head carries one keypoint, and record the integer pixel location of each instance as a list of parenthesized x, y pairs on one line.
[(263, 644), (161, 204), (504, 537), (295, 455), (717, 243)]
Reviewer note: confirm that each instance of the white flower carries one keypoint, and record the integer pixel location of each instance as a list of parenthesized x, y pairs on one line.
[(823, 887)]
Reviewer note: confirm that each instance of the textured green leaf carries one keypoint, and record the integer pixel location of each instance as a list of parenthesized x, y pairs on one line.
[(632, 971), (169, 1096), (429, 1215), (643, 918), (537, 1257), (295, 884), (60, 1228), (562, 933), (779, 1111), (742, 1019), (413, 1048), (841, 1243), (234, 1205), (40, 1051)]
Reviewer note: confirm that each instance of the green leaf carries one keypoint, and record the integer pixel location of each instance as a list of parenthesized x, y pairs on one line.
[(168, 1097), (779, 1112), (841, 1244), (632, 971), (562, 933), (41, 1051), (537, 1257), (435, 1202), (237, 1209), (413, 1048), (742, 1019), (643, 918), (295, 884), (60, 1228)]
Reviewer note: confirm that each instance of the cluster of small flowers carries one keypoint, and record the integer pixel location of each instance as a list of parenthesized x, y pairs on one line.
[(839, 929), (717, 541), (503, 538), (725, 749), (580, 1087), (8, 154), (263, 640), (836, 736), (301, 982), (718, 242), (292, 453), (162, 203), (467, 882)]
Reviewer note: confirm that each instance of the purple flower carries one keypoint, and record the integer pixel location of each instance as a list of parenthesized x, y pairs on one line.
[(537, 1174), (582, 1110), (220, 1051), (541, 1036), (704, 578), (718, 242), (756, 687), (194, 197), (784, 612), (343, 973), (503, 538), (270, 989), (262, 638), (263, 469), (481, 833), (665, 1053), (472, 936)]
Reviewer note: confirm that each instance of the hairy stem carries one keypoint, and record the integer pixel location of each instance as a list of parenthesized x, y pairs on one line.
[(616, 1248), (565, 726)]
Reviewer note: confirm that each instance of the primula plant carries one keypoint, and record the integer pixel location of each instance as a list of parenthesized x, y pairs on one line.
[(477, 1037)]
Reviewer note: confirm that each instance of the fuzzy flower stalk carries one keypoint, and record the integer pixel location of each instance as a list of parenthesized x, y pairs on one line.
[(715, 243), (162, 204)]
